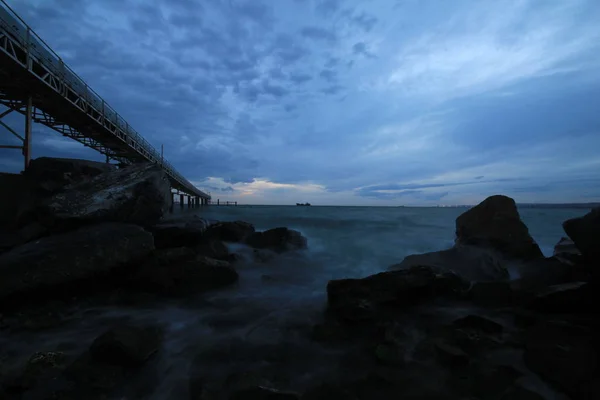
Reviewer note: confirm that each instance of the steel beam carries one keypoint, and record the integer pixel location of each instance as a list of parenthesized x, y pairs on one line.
[(27, 141)]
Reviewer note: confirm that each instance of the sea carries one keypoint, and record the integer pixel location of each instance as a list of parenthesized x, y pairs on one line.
[(263, 323)]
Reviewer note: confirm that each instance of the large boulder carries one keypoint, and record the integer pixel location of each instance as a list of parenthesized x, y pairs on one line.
[(126, 345), (470, 262), (236, 231), (139, 194), (377, 295), (188, 232), (51, 263), (495, 223), (585, 233), (278, 240), (53, 174)]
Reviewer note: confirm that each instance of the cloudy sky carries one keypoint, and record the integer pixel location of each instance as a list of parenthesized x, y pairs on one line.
[(374, 102)]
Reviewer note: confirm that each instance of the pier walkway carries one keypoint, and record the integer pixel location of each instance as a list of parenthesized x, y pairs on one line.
[(35, 82)]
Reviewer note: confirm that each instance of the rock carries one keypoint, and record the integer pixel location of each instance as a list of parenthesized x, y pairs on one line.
[(483, 381), (370, 297), (263, 393), (534, 274), (585, 233), (126, 345), (389, 354), (175, 233), (472, 263), (41, 367), (138, 194), (495, 223), (278, 240), (566, 246), (491, 294), (52, 263), (237, 231), (475, 322), (574, 297), (329, 391), (175, 255), (214, 249), (54, 174), (518, 392), (565, 356), (19, 196), (263, 256), (450, 355)]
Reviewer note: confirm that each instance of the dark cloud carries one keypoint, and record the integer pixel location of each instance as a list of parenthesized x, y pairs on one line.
[(317, 33), (361, 48), (274, 90), (327, 7), (364, 21), (334, 89), (300, 78), (479, 177), (328, 74)]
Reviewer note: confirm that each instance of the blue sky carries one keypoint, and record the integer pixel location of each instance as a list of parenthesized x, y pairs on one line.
[(374, 102)]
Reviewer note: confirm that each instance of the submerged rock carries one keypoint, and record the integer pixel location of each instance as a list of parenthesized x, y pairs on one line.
[(278, 240), (237, 231), (126, 345), (139, 194), (374, 296), (585, 233), (495, 223), (470, 262), (53, 262)]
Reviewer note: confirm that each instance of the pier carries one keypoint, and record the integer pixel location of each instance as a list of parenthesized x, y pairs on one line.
[(35, 82)]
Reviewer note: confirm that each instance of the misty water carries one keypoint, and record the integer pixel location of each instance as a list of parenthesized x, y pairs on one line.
[(264, 322)]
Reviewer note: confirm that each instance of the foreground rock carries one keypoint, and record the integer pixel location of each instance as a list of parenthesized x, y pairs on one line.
[(278, 240), (495, 223), (472, 263), (139, 194), (377, 296), (237, 231), (585, 233), (126, 345), (188, 232), (55, 262)]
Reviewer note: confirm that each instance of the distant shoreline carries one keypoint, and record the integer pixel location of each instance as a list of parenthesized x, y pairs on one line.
[(521, 205)]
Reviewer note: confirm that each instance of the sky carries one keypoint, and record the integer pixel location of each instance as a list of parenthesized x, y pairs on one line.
[(344, 102)]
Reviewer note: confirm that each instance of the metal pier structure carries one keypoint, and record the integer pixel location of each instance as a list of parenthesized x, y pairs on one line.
[(35, 82)]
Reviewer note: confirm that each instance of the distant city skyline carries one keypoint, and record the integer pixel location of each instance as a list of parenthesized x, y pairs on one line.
[(343, 102)]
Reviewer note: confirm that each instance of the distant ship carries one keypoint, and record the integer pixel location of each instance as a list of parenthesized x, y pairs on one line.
[(303, 205)]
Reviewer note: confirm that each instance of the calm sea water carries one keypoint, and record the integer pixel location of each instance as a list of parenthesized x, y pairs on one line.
[(271, 311)]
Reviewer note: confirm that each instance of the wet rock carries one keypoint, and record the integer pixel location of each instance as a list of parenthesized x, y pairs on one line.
[(478, 323), (138, 194), (278, 240), (376, 295), (237, 231), (389, 354), (585, 233), (183, 232), (450, 355), (175, 255), (126, 345), (566, 251), (262, 393), (491, 294), (543, 272), (564, 355), (518, 392), (328, 391), (19, 196), (483, 381), (263, 256), (574, 297), (495, 223), (214, 249), (42, 367), (472, 263), (52, 263)]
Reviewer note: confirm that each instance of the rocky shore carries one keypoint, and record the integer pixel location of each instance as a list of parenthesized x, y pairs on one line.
[(490, 318)]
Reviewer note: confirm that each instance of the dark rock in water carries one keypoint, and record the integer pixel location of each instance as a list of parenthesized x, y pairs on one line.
[(139, 194), (450, 355), (566, 248), (585, 233), (574, 297), (492, 294), (370, 297), (475, 322), (262, 393), (565, 356), (126, 345), (167, 257), (214, 249), (329, 391), (57, 261), (237, 231), (543, 272), (518, 392), (184, 232), (483, 381), (495, 223), (263, 256), (472, 263), (41, 368), (278, 240), (55, 173)]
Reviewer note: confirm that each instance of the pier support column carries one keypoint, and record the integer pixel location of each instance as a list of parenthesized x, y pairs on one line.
[(181, 200), (197, 202), (189, 201), (27, 141), (172, 203)]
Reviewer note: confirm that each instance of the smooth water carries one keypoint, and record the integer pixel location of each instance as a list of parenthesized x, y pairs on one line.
[(263, 322)]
